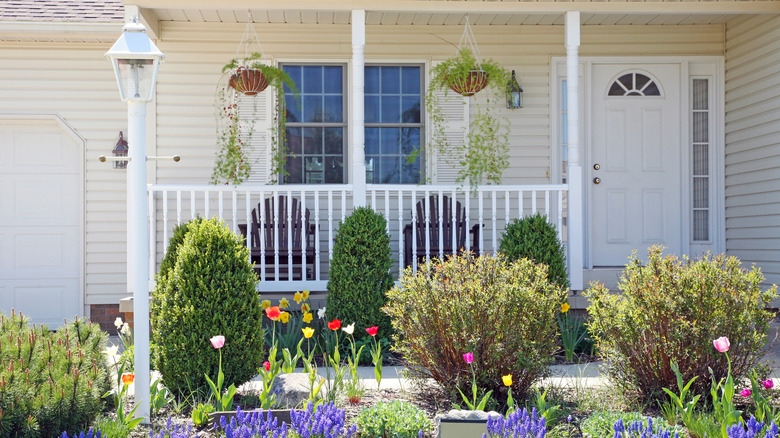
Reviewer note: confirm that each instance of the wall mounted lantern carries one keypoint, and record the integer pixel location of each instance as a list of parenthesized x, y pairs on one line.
[(514, 94)]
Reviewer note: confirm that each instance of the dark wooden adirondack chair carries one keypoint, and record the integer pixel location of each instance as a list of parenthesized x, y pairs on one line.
[(294, 235), (446, 244)]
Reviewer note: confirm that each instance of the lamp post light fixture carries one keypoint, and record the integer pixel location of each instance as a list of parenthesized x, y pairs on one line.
[(514, 94), (136, 61)]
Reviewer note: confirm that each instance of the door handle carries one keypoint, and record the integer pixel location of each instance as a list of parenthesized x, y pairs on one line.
[(596, 180)]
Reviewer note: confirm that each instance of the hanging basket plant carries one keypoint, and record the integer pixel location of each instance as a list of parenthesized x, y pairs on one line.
[(238, 108), (485, 153)]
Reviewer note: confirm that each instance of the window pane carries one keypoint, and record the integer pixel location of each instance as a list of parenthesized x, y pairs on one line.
[(389, 170), (371, 108), (372, 141), (410, 140), (391, 80), (701, 161), (411, 171), (390, 141), (701, 225), (294, 170), (334, 109), (334, 170), (294, 71), (371, 78), (410, 109), (312, 141), (312, 109), (294, 140), (410, 80), (334, 141), (700, 94), (391, 109), (293, 109), (312, 79), (333, 79), (701, 192), (701, 127)]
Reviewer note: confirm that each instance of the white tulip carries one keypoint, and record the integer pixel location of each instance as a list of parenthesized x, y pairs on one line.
[(349, 329)]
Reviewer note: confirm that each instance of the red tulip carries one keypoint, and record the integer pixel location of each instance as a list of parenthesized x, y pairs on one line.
[(127, 378), (334, 325), (273, 312), (768, 384), (372, 330), (468, 357), (267, 366)]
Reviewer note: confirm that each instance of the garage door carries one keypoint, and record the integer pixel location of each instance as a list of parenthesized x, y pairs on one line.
[(40, 214)]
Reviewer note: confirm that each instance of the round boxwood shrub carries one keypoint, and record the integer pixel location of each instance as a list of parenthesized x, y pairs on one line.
[(672, 309), (533, 237), (210, 291), (360, 272), (501, 311)]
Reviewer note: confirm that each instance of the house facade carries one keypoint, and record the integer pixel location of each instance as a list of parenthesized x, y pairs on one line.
[(674, 137)]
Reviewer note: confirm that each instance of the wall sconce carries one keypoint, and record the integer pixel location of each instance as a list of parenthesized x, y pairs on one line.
[(120, 150), (514, 94)]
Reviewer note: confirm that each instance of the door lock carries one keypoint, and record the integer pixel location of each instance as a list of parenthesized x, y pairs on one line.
[(596, 166), (596, 180)]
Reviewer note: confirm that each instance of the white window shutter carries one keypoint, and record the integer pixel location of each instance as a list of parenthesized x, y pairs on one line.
[(260, 108), (444, 165)]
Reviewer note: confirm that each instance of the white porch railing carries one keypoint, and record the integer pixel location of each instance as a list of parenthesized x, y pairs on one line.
[(488, 208)]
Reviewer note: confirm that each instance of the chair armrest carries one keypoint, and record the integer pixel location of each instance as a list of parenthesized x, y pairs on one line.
[(474, 231), (242, 229)]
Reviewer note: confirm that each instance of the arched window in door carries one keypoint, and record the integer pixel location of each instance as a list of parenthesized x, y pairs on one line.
[(634, 84)]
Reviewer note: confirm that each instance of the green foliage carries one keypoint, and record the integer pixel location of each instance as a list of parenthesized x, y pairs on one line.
[(50, 382), (486, 150), (397, 419), (600, 424), (169, 260), (360, 273), (209, 292), (535, 238), (503, 312), (110, 427), (672, 309), (200, 414)]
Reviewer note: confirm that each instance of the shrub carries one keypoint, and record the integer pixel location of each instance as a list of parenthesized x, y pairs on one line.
[(503, 312), (397, 419), (50, 382), (535, 238), (360, 272), (169, 261), (672, 309), (209, 292)]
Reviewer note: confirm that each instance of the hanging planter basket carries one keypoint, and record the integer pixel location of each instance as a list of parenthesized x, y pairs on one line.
[(248, 81), (470, 84)]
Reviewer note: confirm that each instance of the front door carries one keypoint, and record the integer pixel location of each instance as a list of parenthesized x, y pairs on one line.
[(634, 170)]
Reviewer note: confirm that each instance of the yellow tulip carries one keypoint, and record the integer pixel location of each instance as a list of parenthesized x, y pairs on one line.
[(307, 317), (565, 307), (284, 303), (297, 297), (308, 332), (284, 317), (266, 304), (507, 380)]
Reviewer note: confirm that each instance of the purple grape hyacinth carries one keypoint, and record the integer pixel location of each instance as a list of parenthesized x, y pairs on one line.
[(88, 434), (173, 431), (638, 429), (518, 424), (752, 430)]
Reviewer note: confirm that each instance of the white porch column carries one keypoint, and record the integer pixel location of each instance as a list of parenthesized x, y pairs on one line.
[(139, 233), (358, 119), (575, 200)]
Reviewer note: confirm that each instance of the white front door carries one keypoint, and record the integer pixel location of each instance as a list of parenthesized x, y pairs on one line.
[(40, 211), (634, 170)]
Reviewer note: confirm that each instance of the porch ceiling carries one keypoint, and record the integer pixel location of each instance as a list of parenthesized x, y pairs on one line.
[(453, 12)]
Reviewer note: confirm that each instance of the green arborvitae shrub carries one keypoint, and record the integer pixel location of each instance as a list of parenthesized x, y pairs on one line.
[(360, 272), (535, 238), (209, 292), (397, 419), (169, 261), (50, 382), (503, 312), (672, 309)]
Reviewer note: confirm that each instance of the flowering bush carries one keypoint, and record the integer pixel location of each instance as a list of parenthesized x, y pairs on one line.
[(500, 311), (671, 309)]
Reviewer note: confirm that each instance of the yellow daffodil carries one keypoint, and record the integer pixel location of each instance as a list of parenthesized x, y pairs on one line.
[(297, 297), (266, 304), (565, 307), (308, 332), (306, 307), (305, 294), (284, 317), (507, 380), (284, 303), (307, 317)]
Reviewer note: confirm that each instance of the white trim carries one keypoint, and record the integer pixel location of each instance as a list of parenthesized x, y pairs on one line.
[(59, 28), (715, 66), (79, 140)]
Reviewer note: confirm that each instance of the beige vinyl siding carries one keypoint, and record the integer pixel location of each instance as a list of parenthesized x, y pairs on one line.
[(753, 142), (196, 53), (75, 82)]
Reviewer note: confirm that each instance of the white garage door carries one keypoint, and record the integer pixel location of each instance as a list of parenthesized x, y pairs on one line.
[(40, 211)]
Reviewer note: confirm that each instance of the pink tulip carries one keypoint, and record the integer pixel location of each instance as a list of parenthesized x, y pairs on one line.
[(218, 341), (468, 357), (722, 344), (768, 384), (745, 393)]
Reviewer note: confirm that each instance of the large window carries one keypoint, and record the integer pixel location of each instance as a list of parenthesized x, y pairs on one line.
[(393, 123), (316, 124)]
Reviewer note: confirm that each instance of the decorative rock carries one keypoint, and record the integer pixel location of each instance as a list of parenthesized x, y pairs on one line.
[(459, 414), (291, 389)]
